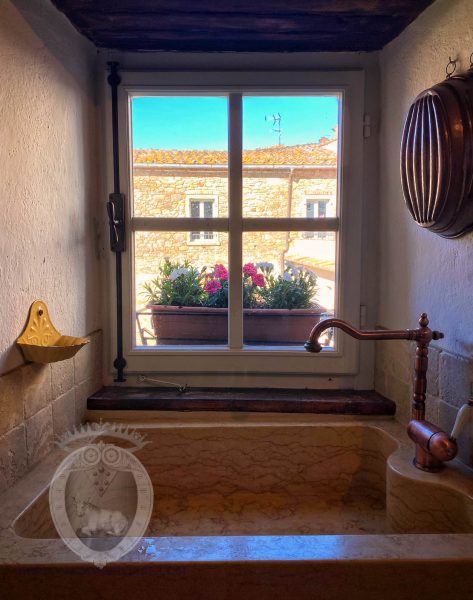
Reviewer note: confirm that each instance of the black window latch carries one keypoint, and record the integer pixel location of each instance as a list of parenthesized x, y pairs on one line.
[(116, 217)]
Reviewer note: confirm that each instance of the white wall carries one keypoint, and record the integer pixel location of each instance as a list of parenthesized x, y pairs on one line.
[(418, 270), (49, 247), (49, 212)]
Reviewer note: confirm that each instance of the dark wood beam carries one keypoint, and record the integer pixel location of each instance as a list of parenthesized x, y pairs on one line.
[(367, 7), (241, 25), (123, 24), (249, 400)]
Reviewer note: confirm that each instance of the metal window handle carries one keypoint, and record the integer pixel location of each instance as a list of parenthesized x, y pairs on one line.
[(116, 216), (113, 222)]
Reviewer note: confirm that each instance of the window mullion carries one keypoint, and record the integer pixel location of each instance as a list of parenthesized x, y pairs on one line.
[(235, 250)]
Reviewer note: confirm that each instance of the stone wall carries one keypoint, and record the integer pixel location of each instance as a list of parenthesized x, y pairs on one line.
[(39, 402), (267, 193), (449, 378)]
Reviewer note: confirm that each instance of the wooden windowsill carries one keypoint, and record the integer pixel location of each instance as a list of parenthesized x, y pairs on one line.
[(343, 402)]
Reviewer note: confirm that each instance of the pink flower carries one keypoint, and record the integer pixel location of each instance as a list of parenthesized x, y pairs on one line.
[(220, 272), (250, 269), (213, 286), (258, 279)]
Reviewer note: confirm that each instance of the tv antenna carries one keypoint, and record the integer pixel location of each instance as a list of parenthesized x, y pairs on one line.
[(276, 121)]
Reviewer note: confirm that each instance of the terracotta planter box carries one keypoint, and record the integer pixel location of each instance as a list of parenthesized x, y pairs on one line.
[(201, 325)]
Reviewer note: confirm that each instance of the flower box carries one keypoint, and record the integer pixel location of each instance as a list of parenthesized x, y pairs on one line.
[(184, 325)]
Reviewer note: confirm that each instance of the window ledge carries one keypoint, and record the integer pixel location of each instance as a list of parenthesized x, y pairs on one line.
[(342, 402)]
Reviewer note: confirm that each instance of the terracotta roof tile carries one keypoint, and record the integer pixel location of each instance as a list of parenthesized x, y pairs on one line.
[(301, 154)]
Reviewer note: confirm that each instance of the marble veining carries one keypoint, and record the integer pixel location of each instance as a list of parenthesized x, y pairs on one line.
[(255, 488)]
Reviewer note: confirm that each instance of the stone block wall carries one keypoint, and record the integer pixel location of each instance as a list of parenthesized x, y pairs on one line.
[(165, 193), (449, 386), (39, 402)]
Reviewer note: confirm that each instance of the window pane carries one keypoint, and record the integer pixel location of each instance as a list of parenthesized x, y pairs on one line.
[(290, 151), (173, 269), (208, 210), (180, 149), (289, 285), (195, 209)]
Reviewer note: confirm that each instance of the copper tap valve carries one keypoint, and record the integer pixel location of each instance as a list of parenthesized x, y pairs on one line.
[(433, 446)]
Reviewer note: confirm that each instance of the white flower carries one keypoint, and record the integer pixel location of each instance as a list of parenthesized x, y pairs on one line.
[(177, 273), (286, 276), (265, 265)]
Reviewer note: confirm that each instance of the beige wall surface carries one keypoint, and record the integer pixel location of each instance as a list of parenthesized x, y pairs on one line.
[(418, 270), (49, 244), (48, 121)]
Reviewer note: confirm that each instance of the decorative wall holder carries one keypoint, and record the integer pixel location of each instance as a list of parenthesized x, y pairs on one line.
[(437, 156), (42, 343)]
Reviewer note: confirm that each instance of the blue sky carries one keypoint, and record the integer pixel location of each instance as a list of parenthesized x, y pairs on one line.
[(200, 122)]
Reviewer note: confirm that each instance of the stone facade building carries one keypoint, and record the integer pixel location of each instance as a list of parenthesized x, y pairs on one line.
[(278, 182)]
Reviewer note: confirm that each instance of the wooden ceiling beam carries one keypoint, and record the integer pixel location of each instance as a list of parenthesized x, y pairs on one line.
[(366, 7), (222, 25), (252, 46), (241, 25)]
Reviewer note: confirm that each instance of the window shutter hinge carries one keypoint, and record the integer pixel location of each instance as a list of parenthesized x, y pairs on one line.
[(366, 125)]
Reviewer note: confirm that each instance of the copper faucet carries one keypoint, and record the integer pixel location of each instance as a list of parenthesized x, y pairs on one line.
[(433, 446)]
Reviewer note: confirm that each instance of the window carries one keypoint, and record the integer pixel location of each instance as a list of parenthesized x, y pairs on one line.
[(224, 200), (320, 208), (202, 208)]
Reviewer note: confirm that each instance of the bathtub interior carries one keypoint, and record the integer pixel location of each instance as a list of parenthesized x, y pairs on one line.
[(280, 480)]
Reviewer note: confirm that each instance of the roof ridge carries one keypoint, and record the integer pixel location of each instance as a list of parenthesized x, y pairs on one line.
[(319, 144), (312, 153)]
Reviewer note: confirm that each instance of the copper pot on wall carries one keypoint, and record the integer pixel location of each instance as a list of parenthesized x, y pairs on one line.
[(437, 157)]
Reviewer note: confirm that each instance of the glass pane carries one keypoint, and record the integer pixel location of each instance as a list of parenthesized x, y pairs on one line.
[(289, 285), (208, 210), (195, 209), (180, 151), (181, 288), (290, 153)]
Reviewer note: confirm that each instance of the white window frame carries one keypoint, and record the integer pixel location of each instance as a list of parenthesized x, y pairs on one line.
[(202, 198), (316, 199), (280, 365)]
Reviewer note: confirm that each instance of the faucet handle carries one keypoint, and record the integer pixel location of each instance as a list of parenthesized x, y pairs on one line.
[(433, 445), (463, 416), (424, 328)]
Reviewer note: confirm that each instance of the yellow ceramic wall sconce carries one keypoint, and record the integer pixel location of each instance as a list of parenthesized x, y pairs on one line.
[(42, 343)]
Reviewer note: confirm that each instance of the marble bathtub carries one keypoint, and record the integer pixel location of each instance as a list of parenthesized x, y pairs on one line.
[(264, 506)]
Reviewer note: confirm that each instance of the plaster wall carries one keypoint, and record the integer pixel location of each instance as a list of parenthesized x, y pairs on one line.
[(420, 271), (49, 244)]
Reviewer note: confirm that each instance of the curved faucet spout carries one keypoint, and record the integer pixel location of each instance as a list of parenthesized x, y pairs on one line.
[(422, 334), (433, 446)]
